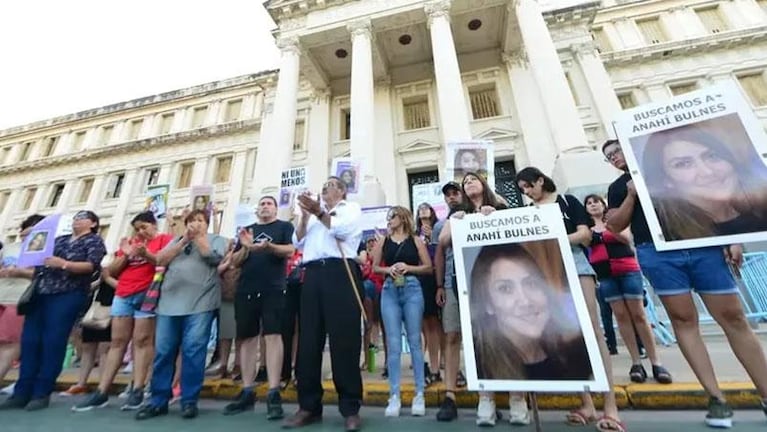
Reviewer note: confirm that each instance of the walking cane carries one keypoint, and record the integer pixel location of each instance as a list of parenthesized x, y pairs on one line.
[(353, 281)]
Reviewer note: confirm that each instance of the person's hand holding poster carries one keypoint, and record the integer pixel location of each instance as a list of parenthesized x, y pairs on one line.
[(524, 320), (698, 166)]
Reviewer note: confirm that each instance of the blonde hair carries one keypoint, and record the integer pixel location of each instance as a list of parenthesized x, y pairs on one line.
[(406, 216)]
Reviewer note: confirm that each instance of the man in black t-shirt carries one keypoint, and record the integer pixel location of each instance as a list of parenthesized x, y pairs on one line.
[(673, 275), (260, 302)]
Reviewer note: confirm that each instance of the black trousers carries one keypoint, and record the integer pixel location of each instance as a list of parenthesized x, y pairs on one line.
[(292, 306), (329, 308)]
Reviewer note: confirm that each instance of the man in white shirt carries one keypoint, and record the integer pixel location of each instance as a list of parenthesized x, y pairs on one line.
[(329, 233)]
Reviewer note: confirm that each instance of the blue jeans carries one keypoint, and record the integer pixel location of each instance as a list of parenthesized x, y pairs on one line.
[(190, 335), (400, 304), (44, 342)]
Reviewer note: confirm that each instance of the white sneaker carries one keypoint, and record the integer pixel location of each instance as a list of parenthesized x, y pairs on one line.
[(486, 411), (8, 390), (418, 408), (392, 410), (519, 415)]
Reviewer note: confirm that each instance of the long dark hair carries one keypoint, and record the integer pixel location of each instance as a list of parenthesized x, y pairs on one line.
[(497, 357), (680, 218), (601, 200), (489, 198), (432, 217), (532, 174)]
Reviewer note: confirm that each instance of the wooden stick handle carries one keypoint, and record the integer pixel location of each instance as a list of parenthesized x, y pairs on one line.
[(353, 280)]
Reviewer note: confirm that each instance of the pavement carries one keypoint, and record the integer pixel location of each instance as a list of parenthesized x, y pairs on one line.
[(59, 418), (685, 393)]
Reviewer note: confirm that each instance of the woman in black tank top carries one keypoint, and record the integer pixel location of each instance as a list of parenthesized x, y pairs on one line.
[(400, 257)]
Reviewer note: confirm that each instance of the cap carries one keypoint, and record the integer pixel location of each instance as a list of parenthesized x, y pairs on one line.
[(451, 185)]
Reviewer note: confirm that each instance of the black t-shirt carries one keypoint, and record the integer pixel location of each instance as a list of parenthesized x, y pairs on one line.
[(264, 271), (616, 193), (573, 212)]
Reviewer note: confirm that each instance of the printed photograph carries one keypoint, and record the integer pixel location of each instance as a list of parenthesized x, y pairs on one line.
[(37, 243), (201, 202), (347, 172)]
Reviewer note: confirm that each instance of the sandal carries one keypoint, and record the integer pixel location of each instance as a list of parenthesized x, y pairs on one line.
[(433, 379), (460, 380), (661, 374), (638, 374), (610, 424), (578, 418)]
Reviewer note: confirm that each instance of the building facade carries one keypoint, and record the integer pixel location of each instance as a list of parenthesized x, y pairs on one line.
[(388, 82)]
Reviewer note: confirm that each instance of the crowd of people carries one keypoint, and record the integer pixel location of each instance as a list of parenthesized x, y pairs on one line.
[(280, 290)]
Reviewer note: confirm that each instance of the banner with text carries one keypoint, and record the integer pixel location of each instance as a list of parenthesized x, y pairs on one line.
[(294, 180)]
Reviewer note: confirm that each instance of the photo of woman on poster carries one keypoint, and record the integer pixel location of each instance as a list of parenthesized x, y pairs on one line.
[(349, 177), (523, 317), (700, 187), (201, 202), (469, 160), (38, 242)]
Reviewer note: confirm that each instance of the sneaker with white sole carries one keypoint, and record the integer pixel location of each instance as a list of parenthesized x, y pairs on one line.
[(126, 392), (719, 414), (486, 414), (395, 404), (418, 407), (519, 415), (8, 390)]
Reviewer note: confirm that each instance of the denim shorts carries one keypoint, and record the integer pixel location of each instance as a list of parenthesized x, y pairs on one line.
[(629, 286), (130, 306), (370, 289), (703, 270)]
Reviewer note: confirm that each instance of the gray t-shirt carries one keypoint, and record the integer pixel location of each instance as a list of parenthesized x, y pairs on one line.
[(191, 283), (449, 264)]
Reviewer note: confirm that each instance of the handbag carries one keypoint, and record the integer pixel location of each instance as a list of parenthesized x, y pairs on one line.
[(152, 296), (98, 316), (27, 298)]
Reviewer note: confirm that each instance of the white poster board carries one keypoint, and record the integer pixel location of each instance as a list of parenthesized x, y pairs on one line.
[(374, 220), (351, 173), (470, 156), (698, 164), (293, 181), (524, 320), (429, 193)]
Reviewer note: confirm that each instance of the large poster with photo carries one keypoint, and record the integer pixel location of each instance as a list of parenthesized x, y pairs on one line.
[(698, 164), (350, 172), (524, 320), (374, 221), (470, 156), (293, 181), (431, 194)]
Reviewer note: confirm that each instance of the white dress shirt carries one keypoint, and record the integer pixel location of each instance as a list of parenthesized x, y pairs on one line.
[(319, 242)]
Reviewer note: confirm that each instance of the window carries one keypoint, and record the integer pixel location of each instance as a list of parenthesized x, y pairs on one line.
[(652, 31), (627, 100), (298, 139), (484, 102), (116, 182), (680, 89), (4, 197), (4, 155), (755, 86), (78, 140), (85, 191), (134, 128), (416, 112), (104, 231), (233, 109), (571, 86), (184, 179), (223, 169), (601, 39), (346, 124), (166, 123), (29, 196), (49, 146), (106, 134), (26, 149), (152, 176), (712, 19), (56, 192), (198, 116)]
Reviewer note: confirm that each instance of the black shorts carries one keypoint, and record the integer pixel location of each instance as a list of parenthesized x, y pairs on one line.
[(429, 288), (252, 312), (90, 335)]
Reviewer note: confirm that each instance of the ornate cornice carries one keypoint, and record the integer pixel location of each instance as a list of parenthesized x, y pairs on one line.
[(289, 45), (516, 58), (361, 27), (437, 9)]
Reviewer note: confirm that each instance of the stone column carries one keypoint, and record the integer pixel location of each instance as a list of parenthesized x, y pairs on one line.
[(600, 85), (11, 206), (236, 187), (119, 216), (317, 143), (97, 192), (66, 196), (275, 151), (200, 172), (453, 114)]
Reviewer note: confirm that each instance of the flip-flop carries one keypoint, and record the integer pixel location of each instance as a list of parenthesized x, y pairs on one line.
[(610, 424), (577, 418)]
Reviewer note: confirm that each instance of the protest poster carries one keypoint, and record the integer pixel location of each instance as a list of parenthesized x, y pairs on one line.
[(374, 220), (698, 165), (38, 245), (244, 215), (429, 193), (524, 320), (202, 198), (293, 181), (157, 200), (350, 172), (470, 156)]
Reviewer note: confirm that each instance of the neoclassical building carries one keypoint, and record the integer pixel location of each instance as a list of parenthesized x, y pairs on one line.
[(389, 82)]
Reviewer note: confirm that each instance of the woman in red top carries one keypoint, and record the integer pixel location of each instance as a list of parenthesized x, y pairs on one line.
[(373, 284), (134, 268), (622, 286)]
